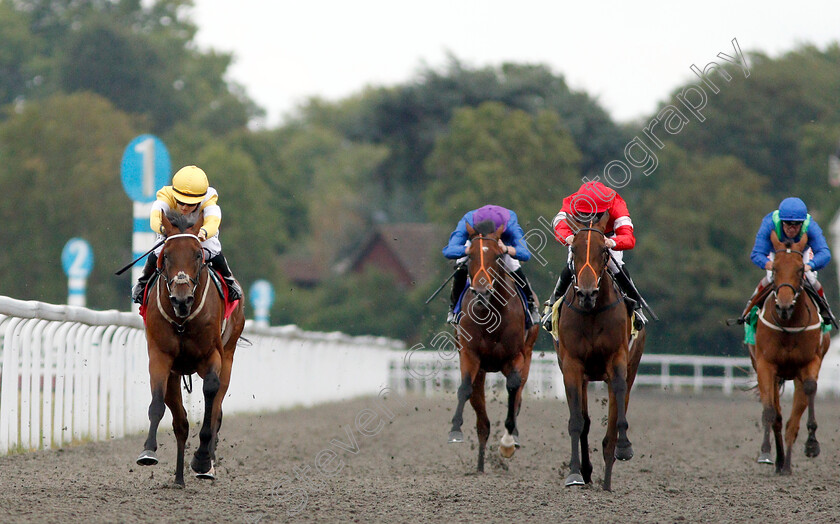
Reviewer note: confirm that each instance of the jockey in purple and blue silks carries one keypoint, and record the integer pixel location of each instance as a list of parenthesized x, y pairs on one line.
[(790, 222), (517, 251)]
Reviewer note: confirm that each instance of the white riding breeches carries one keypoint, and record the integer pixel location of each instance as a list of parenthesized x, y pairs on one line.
[(510, 263), (616, 260), (806, 257)]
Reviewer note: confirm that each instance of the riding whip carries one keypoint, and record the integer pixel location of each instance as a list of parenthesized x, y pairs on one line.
[(441, 286), (138, 259)]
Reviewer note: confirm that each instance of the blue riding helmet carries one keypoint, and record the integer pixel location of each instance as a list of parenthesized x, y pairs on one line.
[(793, 210)]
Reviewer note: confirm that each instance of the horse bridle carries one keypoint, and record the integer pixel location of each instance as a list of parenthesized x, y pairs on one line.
[(796, 292), (575, 273), (183, 278), (482, 267)]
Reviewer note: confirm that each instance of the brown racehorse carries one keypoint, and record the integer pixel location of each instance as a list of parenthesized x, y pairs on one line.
[(186, 334), (491, 337), (789, 345), (595, 344)]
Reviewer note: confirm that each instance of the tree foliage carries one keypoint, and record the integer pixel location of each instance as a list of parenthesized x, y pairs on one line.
[(59, 180), (692, 255)]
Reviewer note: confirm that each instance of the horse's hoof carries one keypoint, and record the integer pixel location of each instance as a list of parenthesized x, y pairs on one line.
[(812, 449), (208, 475), (201, 466), (625, 453), (507, 446), (575, 479), (516, 441), (147, 458), (455, 437), (765, 458)]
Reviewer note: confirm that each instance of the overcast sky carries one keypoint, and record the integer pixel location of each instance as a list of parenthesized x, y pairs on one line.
[(627, 54)]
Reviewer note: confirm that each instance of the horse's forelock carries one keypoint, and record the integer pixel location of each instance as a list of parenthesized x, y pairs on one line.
[(182, 222), (485, 227)]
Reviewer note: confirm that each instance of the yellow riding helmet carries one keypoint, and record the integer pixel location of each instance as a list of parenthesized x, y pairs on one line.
[(190, 185)]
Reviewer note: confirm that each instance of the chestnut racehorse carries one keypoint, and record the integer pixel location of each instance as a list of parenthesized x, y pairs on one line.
[(789, 345), (186, 333), (491, 337), (595, 344)]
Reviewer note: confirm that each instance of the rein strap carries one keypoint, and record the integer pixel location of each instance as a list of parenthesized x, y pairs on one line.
[(194, 312)]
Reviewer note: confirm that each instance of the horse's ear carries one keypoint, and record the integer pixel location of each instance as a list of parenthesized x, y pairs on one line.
[(168, 228), (602, 221), (774, 239), (802, 245), (470, 229), (197, 226), (499, 231)]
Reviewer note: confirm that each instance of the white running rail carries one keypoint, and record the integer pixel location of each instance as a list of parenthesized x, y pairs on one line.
[(73, 374)]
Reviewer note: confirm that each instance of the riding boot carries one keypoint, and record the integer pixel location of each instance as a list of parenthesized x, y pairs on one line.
[(761, 291), (459, 282), (220, 263), (522, 282), (818, 293), (148, 271), (625, 282), (559, 290)]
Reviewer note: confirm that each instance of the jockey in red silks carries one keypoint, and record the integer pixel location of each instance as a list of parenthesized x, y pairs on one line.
[(592, 199)]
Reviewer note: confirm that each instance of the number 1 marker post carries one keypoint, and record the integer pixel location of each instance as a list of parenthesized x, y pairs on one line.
[(145, 168)]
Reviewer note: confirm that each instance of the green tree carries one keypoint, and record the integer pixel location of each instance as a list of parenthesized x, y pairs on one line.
[(17, 47), (691, 260), (762, 119), (59, 175), (409, 118), (494, 154), (141, 57)]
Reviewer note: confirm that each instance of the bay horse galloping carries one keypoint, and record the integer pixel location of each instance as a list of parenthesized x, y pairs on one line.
[(789, 345), (187, 333), (491, 337), (594, 344)]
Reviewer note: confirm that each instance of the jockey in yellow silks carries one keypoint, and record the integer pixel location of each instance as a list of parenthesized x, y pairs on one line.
[(190, 194)]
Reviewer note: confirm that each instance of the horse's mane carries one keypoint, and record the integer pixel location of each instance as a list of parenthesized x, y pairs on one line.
[(485, 227), (587, 220), (182, 222)]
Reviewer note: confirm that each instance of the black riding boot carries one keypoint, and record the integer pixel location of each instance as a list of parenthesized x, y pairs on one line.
[(459, 282), (148, 271), (234, 291), (522, 282), (625, 282), (825, 310), (559, 290)]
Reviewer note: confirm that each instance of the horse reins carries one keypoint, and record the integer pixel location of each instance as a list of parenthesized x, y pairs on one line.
[(183, 278)]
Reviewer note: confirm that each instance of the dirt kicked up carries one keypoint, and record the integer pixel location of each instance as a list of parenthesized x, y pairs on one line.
[(386, 460)]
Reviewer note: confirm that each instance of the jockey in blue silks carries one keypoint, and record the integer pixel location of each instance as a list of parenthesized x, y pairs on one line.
[(790, 222), (517, 251)]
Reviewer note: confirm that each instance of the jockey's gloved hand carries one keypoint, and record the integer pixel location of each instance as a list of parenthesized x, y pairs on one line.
[(610, 243)]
